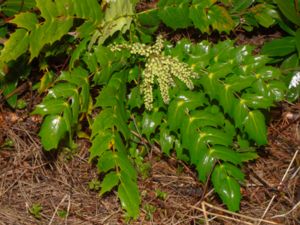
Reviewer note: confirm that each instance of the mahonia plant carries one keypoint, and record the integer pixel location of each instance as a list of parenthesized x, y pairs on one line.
[(212, 121), (161, 67)]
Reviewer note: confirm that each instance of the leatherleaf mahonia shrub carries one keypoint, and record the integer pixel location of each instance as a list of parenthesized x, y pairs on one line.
[(217, 125), (119, 83)]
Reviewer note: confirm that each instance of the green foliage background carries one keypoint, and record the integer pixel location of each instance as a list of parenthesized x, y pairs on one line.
[(215, 127)]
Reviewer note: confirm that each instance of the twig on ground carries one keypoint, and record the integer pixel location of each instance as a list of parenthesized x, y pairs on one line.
[(287, 170), (289, 212), (266, 210), (205, 213), (57, 207), (68, 209), (220, 215)]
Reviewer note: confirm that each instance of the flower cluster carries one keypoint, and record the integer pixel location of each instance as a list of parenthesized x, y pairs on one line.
[(160, 67)]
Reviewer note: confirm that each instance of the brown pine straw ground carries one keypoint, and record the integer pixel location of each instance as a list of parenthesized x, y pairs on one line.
[(59, 181)]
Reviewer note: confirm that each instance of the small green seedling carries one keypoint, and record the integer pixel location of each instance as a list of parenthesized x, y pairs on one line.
[(35, 210), (94, 185), (150, 209), (62, 213), (160, 194)]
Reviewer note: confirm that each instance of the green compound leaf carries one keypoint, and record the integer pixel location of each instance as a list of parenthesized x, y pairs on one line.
[(227, 187), (129, 195), (15, 46), (110, 180), (256, 128), (170, 9), (52, 131)]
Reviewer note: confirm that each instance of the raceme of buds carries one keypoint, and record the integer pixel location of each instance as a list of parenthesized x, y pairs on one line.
[(160, 67)]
